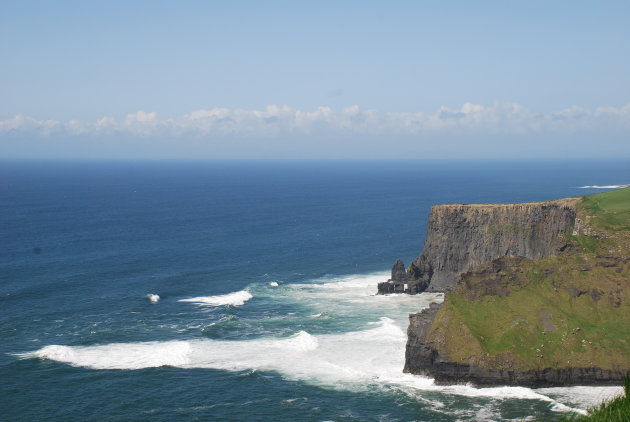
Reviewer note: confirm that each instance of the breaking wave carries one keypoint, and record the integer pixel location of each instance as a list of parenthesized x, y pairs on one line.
[(118, 355), (371, 356), (234, 299), (352, 361)]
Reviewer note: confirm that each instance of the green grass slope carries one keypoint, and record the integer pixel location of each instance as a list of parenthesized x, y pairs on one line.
[(572, 310), (609, 210)]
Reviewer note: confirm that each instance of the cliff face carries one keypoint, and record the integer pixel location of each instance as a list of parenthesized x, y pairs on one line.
[(532, 301), (462, 236)]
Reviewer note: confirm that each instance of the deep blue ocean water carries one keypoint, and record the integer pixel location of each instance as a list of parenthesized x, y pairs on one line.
[(266, 273)]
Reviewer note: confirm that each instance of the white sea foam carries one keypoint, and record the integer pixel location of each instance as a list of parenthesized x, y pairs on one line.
[(603, 186), (365, 358), (153, 298), (354, 360), (273, 283), (235, 299), (359, 281), (582, 396), (119, 355)]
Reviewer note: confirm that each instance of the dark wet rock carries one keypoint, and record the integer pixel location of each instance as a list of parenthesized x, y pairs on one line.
[(397, 283), (399, 274), (403, 281)]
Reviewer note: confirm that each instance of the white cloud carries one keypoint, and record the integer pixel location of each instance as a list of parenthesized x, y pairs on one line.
[(500, 118), (24, 123)]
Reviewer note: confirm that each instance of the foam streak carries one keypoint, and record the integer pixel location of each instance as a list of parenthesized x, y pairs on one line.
[(603, 186), (233, 299)]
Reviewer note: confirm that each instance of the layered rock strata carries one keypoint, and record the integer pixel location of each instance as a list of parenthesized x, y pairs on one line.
[(462, 236)]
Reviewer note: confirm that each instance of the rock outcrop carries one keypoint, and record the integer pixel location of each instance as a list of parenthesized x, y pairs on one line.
[(402, 282), (398, 282), (462, 236), (399, 275), (537, 294)]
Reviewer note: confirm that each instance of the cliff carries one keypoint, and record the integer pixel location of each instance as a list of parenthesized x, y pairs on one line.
[(544, 301), (462, 236)]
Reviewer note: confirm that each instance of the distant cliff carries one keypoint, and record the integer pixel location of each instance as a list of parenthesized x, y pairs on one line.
[(462, 236), (537, 294)]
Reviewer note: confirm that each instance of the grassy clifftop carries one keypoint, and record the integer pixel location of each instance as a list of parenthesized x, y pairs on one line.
[(571, 310), (609, 211)]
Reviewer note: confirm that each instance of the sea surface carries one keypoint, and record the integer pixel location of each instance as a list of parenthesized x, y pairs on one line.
[(266, 274)]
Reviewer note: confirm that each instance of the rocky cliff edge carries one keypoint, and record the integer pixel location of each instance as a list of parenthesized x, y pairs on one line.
[(551, 309), (462, 236)]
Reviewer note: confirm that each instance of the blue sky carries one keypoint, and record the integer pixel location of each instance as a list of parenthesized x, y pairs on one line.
[(535, 77)]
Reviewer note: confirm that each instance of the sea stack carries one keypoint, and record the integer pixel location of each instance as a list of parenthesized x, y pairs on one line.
[(398, 281)]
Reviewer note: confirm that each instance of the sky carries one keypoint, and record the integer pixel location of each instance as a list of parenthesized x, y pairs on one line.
[(326, 79)]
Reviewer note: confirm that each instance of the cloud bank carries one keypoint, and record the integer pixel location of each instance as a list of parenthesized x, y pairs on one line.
[(500, 118), (281, 132)]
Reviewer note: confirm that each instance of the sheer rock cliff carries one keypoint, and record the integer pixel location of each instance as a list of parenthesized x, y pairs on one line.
[(462, 236)]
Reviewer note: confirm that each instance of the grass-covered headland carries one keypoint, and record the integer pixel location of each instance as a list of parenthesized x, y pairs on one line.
[(567, 311)]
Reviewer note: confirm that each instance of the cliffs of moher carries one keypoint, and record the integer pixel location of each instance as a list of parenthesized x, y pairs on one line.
[(536, 294)]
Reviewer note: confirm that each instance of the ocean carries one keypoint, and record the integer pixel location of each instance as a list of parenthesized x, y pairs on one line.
[(266, 274)]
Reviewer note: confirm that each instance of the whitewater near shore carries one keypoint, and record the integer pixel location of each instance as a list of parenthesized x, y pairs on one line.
[(364, 350)]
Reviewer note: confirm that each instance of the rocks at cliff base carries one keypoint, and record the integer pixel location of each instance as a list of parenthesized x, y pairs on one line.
[(399, 274), (398, 281), (402, 281), (420, 273)]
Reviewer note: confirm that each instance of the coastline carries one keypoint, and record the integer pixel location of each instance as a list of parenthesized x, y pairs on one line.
[(536, 294)]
